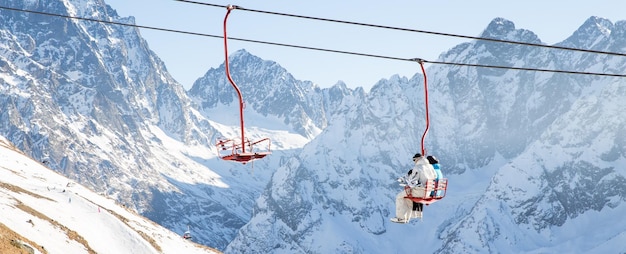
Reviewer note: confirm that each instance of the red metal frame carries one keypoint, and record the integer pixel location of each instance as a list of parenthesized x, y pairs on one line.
[(431, 186), (421, 62), (238, 152), (232, 150), (425, 197)]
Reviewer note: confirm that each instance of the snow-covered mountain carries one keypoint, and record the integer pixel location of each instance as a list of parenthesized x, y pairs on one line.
[(44, 212), (99, 106), (532, 158), (570, 178), (270, 91), (535, 160)]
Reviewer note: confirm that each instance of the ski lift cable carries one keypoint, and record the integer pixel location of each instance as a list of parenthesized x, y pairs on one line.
[(109, 22), (412, 30), (316, 49)]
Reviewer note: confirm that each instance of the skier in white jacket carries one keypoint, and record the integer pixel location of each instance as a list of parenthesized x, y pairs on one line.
[(421, 173)]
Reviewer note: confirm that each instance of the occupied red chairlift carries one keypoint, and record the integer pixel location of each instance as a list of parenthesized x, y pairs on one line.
[(434, 190), (241, 149), (431, 193)]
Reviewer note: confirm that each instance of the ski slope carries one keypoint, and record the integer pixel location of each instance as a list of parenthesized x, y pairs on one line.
[(44, 212)]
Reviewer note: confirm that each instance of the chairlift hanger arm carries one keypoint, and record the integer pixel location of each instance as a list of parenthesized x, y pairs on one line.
[(421, 62), (229, 149), (229, 8)]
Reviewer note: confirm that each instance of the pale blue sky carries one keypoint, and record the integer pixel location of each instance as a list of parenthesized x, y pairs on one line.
[(188, 57)]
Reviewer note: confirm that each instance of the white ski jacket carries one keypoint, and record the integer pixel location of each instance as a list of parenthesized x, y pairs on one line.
[(421, 173)]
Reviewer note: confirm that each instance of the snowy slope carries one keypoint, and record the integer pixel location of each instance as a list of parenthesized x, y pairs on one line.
[(53, 214)]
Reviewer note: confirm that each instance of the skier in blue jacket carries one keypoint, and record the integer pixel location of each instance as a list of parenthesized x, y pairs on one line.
[(433, 161)]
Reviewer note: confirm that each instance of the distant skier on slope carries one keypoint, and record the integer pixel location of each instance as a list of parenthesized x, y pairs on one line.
[(421, 173), (187, 234)]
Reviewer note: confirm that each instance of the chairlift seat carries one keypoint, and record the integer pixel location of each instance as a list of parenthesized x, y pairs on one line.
[(423, 194), (231, 150)]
